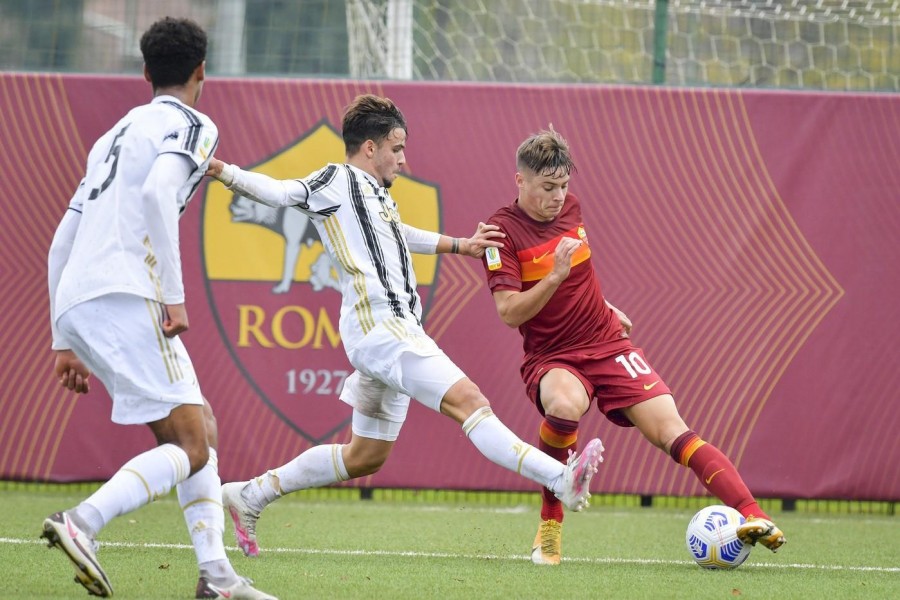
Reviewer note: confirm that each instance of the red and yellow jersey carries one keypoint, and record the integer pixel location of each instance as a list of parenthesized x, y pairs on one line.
[(576, 318), (537, 262)]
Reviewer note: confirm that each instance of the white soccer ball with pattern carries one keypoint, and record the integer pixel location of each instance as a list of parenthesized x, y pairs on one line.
[(712, 538)]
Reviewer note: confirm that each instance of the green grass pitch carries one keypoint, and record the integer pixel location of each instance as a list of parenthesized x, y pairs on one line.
[(350, 548)]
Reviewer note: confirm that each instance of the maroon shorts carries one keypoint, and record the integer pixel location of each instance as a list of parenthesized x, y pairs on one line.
[(615, 381)]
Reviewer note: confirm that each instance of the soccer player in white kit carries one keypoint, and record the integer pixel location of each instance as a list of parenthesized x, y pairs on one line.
[(381, 325), (117, 307)]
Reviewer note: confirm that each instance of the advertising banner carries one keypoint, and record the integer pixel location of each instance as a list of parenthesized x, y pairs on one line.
[(752, 237)]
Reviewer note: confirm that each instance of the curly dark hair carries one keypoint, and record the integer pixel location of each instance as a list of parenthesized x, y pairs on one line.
[(172, 49), (369, 117)]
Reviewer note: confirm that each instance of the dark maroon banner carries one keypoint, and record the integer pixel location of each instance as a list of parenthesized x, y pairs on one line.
[(752, 236)]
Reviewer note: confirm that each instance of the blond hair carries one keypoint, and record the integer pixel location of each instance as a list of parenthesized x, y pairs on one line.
[(545, 153)]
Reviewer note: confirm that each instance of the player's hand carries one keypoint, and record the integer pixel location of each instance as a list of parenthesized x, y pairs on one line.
[(71, 372), (562, 258), (623, 320), (215, 167), (176, 320), (486, 236)]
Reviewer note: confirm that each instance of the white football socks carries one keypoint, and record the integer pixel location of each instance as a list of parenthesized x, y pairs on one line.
[(200, 497), (503, 447), (316, 467), (141, 480)]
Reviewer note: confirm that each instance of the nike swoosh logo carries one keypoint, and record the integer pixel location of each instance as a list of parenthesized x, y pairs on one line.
[(72, 533), (538, 259), (650, 386), (710, 478)]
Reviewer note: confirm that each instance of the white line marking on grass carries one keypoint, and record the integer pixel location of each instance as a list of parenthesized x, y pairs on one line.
[(510, 557), (597, 512)]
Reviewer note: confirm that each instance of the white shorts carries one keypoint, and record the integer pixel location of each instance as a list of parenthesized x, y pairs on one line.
[(119, 337), (395, 361)]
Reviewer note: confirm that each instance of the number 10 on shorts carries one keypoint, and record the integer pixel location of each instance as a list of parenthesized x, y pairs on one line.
[(634, 364)]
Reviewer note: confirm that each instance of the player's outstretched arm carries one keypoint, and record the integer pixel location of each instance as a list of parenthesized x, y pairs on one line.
[(485, 236), (429, 242), (259, 187)]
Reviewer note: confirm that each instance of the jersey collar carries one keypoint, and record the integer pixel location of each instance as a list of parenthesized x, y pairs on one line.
[(166, 98), (371, 180)]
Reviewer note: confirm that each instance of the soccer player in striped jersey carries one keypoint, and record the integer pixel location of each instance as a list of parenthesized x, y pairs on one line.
[(577, 346), (117, 308), (381, 325)]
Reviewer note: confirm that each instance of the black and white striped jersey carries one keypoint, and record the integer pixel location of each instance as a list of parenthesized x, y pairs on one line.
[(360, 227), (136, 185)]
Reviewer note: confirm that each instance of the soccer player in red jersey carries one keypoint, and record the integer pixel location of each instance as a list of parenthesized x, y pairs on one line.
[(577, 346)]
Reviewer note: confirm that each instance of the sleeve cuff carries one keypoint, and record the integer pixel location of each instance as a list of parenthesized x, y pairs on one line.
[(227, 175)]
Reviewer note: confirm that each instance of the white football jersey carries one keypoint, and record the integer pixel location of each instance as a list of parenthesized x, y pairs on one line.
[(360, 227), (127, 237)]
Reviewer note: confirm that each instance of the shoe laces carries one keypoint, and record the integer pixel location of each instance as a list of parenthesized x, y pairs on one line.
[(249, 524), (551, 534), (249, 516), (767, 527)]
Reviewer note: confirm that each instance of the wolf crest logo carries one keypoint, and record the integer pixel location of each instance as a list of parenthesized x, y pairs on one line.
[(273, 291), (298, 232)]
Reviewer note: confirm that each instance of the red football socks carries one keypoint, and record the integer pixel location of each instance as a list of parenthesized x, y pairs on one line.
[(715, 472), (557, 437)]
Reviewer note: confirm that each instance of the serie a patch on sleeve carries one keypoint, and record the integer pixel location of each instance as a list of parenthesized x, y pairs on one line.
[(205, 146), (493, 259)]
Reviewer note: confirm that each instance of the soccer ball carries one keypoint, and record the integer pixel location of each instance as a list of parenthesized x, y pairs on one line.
[(712, 538)]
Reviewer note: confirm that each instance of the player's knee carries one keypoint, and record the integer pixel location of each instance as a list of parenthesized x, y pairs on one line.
[(364, 465), (365, 456), (198, 455), (463, 399), (564, 406)]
